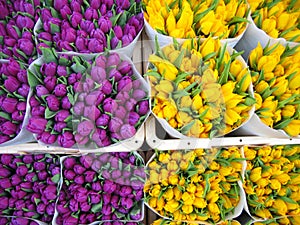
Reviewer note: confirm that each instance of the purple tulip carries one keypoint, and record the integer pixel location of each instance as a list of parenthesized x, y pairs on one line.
[(98, 74), (78, 108), (89, 176), (78, 169), (109, 105), (9, 105), (70, 220), (129, 30), (133, 118), (47, 138), (96, 45), (95, 198), (91, 112), (113, 60), (73, 205), (138, 94), (109, 187), (62, 209), (127, 131), (59, 4), (95, 4), (96, 165), (4, 139), (64, 46), (11, 31), (50, 192), (114, 73), (100, 61), (118, 31), (36, 125), (105, 24), (98, 34), (65, 103), (79, 180), (22, 171), (24, 22), (26, 46), (116, 174), (80, 196), (69, 163), (66, 139), (31, 177), (22, 76), (102, 120), (91, 14), (62, 71), (76, 5), (81, 140), (114, 124), (108, 3), (38, 111), (65, 12), (81, 44), (85, 207), (10, 42), (8, 128), (13, 67), (106, 87), (69, 174), (106, 199), (85, 128), (86, 161), (6, 159), (45, 14), (130, 104), (106, 210), (41, 90), (62, 115), (49, 69), (76, 19), (91, 218), (57, 38), (39, 166), (41, 208), (68, 34), (3, 202), (123, 4), (24, 90), (125, 84), (127, 203), (114, 42), (42, 175), (53, 102), (87, 25), (126, 40), (114, 201), (143, 107)]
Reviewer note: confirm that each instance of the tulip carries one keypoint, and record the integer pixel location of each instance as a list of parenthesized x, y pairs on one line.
[(8, 128), (98, 74), (76, 19), (53, 102), (66, 139), (102, 120), (133, 118), (109, 105), (81, 44), (96, 45), (114, 124), (114, 73), (120, 112), (26, 46), (65, 12), (143, 107), (68, 34), (113, 60), (64, 45), (24, 22), (91, 112), (118, 31), (11, 84), (87, 25), (91, 14), (10, 42), (127, 131), (38, 111), (41, 90), (36, 125), (49, 69), (106, 87), (79, 180), (22, 76), (130, 104), (58, 5)]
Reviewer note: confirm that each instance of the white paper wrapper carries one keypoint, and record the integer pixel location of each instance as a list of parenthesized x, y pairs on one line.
[(24, 135), (267, 222), (164, 39), (176, 134), (56, 214), (127, 50), (127, 143), (237, 210), (252, 36)]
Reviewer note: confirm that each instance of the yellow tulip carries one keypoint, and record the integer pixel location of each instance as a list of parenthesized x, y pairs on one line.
[(157, 21), (168, 70), (177, 193), (171, 206), (173, 55), (187, 209), (155, 191), (295, 81), (212, 196), (152, 202), (191, 188), (231, 117), (255, 174), (199, 203), (209, 45), (280, 207), (173, 179), (186, 19), (288, 111), (169, 194), (172, 165), (153, 177), (197, 102), (187, 198), (293, 34), (177, 216), (280, 87), (236, 67), (283, 178), (196, 129), (267, 63), (293, 128), (211, 92), (263, 213), (165, 86), (255, 55), (169, 109), (213, 208), (171, 22), (185, 101), (160, 204)]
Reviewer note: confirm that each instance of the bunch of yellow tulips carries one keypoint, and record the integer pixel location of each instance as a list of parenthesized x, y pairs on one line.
[(275, 72), (279, 19), (272, 181), (170, 222), (192, 18), (194, 185), (199, 88)]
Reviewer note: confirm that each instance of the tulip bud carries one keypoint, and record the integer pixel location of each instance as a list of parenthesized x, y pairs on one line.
[(11, 84), (59, 4), (85, 128), (65, 11), (24, 22), (68, 34), (109, 105), (127, 131), (41, 90), (96, 45), (104, 24), (87, 25), (36, 125), (53, 103), (66, 139), (76, 5), (114, 73)]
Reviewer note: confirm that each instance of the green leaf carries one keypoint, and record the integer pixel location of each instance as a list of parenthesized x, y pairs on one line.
[(49, 114), (178, 60), (55, 178), (96, 208), (5, 115), (37, 201), (283, 124), (185, 129), (48, 55), (54, 28), (78, 68)]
